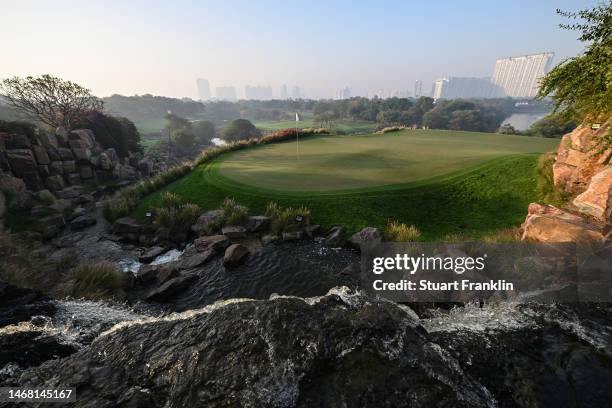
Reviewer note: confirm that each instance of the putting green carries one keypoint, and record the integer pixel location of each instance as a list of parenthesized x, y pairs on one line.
[(335, 163)]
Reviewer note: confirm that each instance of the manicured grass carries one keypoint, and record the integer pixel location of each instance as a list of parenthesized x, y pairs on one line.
[(150, 125), (346, 126), (330, 163), (472, 201)]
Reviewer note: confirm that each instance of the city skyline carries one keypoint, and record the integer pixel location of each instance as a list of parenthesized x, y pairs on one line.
[(161, 48)]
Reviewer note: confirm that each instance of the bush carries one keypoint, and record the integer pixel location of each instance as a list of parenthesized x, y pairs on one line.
[(547, 191), (284, 219), (240, 129), (176, 215), (18, 127), (97, 280), (204, 131), (399, 232), (233, 213), (112, 132)]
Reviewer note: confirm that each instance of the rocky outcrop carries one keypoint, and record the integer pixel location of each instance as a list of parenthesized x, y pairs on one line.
[(338, 350), (594, 200), (546, 223), (578, 158), (367, 236)]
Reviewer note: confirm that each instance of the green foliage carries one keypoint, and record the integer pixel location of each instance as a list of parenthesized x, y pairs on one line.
[(398, 232), (555, 124), (111, 132), (204, 131), (582, 86), (175, 123), (547, 191), (176, 215), (233, 213), (96, 280), (19, 127), (240, 129), (459, 114), (184, 139), (507, 129), (284, 219)]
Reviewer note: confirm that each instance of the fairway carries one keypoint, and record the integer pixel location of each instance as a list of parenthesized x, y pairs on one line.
[(346, 126), (335, 163)]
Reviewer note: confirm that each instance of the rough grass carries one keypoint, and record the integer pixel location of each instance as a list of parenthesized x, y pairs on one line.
[(398, 232), (97, 280), (346, 126)]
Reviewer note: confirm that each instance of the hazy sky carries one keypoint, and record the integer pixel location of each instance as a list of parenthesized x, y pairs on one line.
[(136, 47)]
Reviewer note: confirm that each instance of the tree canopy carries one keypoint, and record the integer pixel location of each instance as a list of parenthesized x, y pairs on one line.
[(240, 129), (49, 99)]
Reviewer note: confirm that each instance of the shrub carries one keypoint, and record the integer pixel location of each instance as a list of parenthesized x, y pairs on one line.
[(97, 280), (176, 215), (184, 139), (204, 131), (547, 191), (233, 213), (399, 232), (111, 132), (18, 127), (240, 129), (284, 219)]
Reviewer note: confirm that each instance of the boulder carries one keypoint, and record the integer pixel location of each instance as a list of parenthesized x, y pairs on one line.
[(367, 236), (234, 231), (68, 193), (85, 172), (48, 140), (55, 168), (82, 222), (151, 253), (81, 155), (215, 242), (170, 288), (146, 167), (53, 154), (85, 137), (126, 225), (45, 196), (73, 179), (235, 255), (52, 225), (65, 154), (33, 181), (55, 183), (268, 239), (193, 259), (313, 230), (208, 223), (44, 171), (41, 155), (16, 141), (60, 205), (546, 223), (20, 304), (258, 223), (69, 166), (21, 161), (11, 185), (594, 200), (336, 237)]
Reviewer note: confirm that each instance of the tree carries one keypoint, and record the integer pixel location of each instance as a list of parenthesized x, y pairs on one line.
[(582, 86), (507, 129), (51, 100), (204, 131), (175, 122), (111, 132), (554, 125), (184, 139), (240, 129)]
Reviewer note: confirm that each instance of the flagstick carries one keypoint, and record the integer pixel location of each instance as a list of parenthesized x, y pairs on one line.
[(297, 138)]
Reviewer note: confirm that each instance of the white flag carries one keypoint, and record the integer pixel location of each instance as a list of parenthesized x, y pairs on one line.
[(297, 117)]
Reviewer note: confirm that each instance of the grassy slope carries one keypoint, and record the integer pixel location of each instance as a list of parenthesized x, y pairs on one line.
[(348, 126), (476, 200), (348, 162)]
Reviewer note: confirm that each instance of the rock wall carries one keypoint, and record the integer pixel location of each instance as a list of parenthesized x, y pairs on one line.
[(583, 170), (55, 161)]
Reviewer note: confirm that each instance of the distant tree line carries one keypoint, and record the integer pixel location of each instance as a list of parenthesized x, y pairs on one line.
[(142, 107)]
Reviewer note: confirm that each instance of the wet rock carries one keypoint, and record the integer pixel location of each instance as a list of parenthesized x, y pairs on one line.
[(52, 225), (268, 239), (208, 223), (215, 242), (68, 193), (235, 255), (336, 237), (338, 350), (151, 253), (82, 222), (258, 223), (126, 225), (28, 347), (367, 236), (60, 205), (234, 232), (20, 304), (193, 259), (170, 288), (313, 230)]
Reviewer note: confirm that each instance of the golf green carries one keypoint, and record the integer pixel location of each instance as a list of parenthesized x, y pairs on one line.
[(442, 182), (336, 163)]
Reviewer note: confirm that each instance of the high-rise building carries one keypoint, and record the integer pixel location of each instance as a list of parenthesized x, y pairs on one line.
[(261, 93), (418, 88), (284, 94), (226, 93), (203, 89), (462, 87), (344, 93), (296, 93), (518, 77)]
